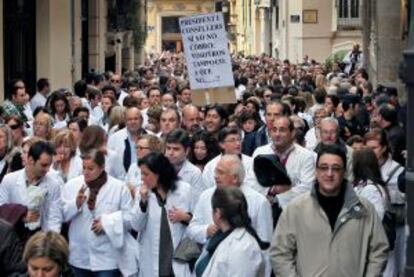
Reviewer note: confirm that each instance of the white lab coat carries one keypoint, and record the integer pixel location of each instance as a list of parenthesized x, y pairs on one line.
[(209, 174), (114, 165), (192, 175), (397, 197), (300, 167), (259, 210), (116, 143), (372, 193), (397, 259), (113, 205), (38, 100), (75, 168), (134, 175), (237, 255), (13, 189), (148, 225)]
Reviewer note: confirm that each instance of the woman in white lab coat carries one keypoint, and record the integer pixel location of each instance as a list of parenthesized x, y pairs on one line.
[(235, 250), (145, 145), (97, 206), (161, 207), (66, 162), (94, 137)]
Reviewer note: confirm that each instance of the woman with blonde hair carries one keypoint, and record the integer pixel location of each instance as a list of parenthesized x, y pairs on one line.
[(66, 162), (95, 137), (17, 127), (47, 254), (10, 156), (43, 126), (145, 145), (116, 119)]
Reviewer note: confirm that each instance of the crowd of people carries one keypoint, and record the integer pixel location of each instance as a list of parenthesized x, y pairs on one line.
[(124, 175)]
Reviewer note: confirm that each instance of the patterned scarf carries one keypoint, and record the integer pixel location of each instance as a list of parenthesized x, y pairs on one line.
[(94, 187)]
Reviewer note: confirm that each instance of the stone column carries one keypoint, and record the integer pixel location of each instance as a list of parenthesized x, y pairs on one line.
[(385, 42), (264, 34), (97, 34), (53, 42)]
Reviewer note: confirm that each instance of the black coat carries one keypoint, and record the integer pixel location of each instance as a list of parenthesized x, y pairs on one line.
[(254, 140), (11, 251)]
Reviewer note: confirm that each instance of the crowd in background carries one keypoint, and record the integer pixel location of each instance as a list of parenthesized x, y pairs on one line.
[(129, 170)]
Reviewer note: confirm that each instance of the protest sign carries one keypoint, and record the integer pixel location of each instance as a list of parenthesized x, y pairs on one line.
[(208, 59)]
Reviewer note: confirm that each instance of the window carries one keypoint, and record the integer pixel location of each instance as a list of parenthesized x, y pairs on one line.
[(170, 24), (348, 14), (348, 8)]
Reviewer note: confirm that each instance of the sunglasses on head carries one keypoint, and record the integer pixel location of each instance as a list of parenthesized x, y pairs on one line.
[(14, 126)]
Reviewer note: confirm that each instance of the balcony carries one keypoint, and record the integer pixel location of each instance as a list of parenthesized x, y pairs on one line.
[(348, 23)]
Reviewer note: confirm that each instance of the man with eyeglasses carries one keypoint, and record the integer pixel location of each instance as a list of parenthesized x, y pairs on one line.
[(230, 144), (329, 134), (299, 163), (329, 231)]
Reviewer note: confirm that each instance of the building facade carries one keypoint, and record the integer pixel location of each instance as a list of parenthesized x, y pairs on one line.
[(163, 30), (63, 40), (290, 29)]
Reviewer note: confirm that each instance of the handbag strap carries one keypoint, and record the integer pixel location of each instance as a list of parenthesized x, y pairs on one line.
[(393, 171)]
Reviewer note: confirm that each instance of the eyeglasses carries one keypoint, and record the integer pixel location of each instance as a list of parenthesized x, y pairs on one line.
[(233, 140), (14, 127), (115, 81), (141, 147), (39, 124), (327, 168)]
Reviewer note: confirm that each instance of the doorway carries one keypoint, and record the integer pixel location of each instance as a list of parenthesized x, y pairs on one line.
[(19, 38)]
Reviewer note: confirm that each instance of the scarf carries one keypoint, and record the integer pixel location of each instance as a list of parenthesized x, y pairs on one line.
[(211, 247), (94, 187)]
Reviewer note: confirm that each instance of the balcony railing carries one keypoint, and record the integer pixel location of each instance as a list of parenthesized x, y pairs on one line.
[(349, 23)]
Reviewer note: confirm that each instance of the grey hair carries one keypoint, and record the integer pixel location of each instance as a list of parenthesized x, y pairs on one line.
[(330, 120), (237, 167)]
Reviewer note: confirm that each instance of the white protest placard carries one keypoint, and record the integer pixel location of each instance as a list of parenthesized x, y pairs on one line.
[(206, 51)]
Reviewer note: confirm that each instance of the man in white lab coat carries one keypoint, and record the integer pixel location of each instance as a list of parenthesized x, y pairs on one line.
[(230, 144), (230, 172), (123, 141), (178, 144), (299, 162), (37, 188)]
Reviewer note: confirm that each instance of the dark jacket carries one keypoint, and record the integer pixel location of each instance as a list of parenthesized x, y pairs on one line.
[(397, 142), (11, 251), (254, 140)]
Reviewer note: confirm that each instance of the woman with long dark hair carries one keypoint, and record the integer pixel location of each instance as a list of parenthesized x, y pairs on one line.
[(203, 149), (376, 139), (60, 109), (235, 250), (160, 205), (368, 181)]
